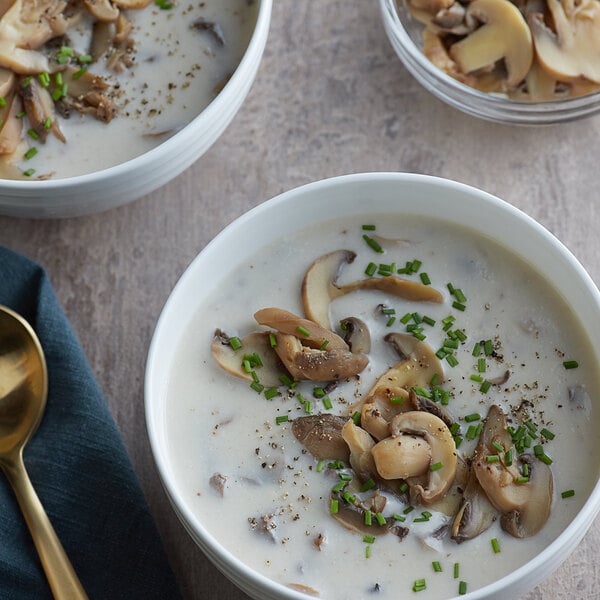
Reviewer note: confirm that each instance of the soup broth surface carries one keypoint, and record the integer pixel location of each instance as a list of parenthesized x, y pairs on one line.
[(218, 426)]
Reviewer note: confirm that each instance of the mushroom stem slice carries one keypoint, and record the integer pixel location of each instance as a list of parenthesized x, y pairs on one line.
[(532, 516), (232, 360), (396, 286), (573, 52), (319, 286), (321, 435), (317, 365), (444, 460), (357, 335), (310, 333), (503, 35)]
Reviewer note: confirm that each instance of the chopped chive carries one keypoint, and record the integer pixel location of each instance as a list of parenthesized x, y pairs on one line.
[(30, 153), (508, 458), (327, 404), (458, 440), (25, 83), (33, 134), (485, 386), (459, 306), (498, 446), (488, 348), (20, 115), (398, 517), (570, 364), (324, 345), (419, 585), (58, 78), (349, 498), (44, 79), (281, 419), (84, 58), (522, 479), (429, 321), (368, 552), (368, 227), (2, 101), (396, 400), (287, 380), (477, 378), (451, 360), (48, 123), (368, 518), (437, 567), (338, 487), (257, 387), (455, 428), (390, 321), (481, 366), (380, 518), (320, 466), (456, 570), (547, 434), (492, 458), (356, 417), (403, 487), (29, 172), (373, 243), (408, 509), (369, 539), (367, 485), (303, 331), (318, 392), (308, 407), (371, 269), (425, 278), (567, 494), (459, 295), (333, 506), (436, 466), (495, 545), (270, 393), (472, 417), (471, 432), (235, 343), (79, 73), (345, 476), (462, 588)]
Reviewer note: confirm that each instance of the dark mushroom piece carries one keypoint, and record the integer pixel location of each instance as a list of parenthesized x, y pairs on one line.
[(321, 435), (39, 106)]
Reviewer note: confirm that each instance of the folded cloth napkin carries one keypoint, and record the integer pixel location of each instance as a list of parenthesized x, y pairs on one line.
[(79, 468)]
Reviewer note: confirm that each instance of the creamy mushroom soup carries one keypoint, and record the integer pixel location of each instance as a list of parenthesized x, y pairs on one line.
[(280, 509), (161, 74)]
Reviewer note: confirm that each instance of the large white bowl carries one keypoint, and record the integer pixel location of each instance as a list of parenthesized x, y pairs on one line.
[(370, 195), (123, 183)]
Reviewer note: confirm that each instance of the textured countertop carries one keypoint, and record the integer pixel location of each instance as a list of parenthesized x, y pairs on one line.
[(330, 98)]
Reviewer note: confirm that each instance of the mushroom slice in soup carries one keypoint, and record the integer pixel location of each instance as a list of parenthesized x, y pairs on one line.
[(525, 504), (317, 365), (360, 444), (351, 513), (357, 335), (475, 514), (380, 407), (402, 456), (443, 461), (254, 343), (309, 332), (320, 286), (321, 435), (39, 106)]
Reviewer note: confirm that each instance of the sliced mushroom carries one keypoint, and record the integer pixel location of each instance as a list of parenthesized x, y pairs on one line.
[(352, 517), (321, 435), (317, 365), (380, 407), (130, 4), (418, 402), (402, 456), (525, 507), (103, 10), (357, 335), (39, 106), (476, 513), (11, 126), (418, 367), (532, 516), (572, 51), (503, 35), (319, 286), (360, 444), (443, 453), (232, 360), (311, 333)]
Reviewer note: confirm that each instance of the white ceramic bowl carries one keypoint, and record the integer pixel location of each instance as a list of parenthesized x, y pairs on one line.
[(368, 195), (123, 183), (404, 33)]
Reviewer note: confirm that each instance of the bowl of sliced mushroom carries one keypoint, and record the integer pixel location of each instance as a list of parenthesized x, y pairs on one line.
[(103, 101), (379, 396), (522, 61)]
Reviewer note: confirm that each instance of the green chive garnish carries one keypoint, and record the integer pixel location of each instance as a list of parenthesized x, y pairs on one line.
[(437, 567), (567, 494), (495, 545), (456, 570), (30, 153), (281, 419), (371, 269), (235, 343), (373, 243), (436, 466), (270, 393), (472, 417), (303, 331), (462, 588), (570, 364), (368, 227)]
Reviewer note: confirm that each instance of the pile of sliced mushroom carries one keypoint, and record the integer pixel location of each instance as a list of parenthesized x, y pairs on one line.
[(403, 442), (533, 50), (43, 77)]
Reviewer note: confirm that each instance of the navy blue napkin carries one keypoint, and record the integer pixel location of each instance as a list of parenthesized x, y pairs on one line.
[(80, 469)]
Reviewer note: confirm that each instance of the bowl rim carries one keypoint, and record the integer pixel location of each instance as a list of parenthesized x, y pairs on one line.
[(141, 161), (225, 560), (485, 105)]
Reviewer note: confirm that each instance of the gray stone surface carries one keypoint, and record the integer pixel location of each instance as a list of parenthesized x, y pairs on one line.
[(330, 98)]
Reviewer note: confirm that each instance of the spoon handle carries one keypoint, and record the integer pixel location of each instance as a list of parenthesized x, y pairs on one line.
[(61, 576)]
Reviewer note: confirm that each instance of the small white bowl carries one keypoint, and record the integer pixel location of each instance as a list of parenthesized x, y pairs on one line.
[(123, 183), (369, 196), (404, 33)]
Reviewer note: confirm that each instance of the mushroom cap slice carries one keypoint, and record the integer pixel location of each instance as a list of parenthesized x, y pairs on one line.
[(231, 360), (312, 334), (503, 35), (317, 365), (573, 52), (357, 335), (396, 286), (360, 444), (418, 367), (443, 452), (319, 285), (380, 407), (321, 435), (532, 516), (402, 457), (476, 513), (103, 10)]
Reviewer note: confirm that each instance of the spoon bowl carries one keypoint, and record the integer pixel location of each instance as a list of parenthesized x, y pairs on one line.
[(23, 393)]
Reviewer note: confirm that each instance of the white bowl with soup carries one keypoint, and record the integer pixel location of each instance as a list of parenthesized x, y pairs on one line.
[(121, 106), (453, 450)]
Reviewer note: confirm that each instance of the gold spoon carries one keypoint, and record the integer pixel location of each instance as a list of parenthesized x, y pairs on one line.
[(23, 390)]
